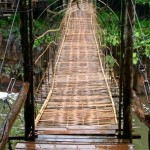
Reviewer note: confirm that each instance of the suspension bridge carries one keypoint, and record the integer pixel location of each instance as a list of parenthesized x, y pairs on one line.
[(79, 111)]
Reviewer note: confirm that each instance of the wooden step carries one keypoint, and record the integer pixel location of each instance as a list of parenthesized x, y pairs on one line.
[(47, 146), (79, 139), (76, 132)]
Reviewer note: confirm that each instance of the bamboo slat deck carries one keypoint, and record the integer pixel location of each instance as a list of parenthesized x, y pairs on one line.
[(79, 112), (80, 94)]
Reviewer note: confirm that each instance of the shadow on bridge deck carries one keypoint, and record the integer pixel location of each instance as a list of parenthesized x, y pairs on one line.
[(79, 112)]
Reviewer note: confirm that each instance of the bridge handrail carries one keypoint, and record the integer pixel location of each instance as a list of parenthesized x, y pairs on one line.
[(47, 56), (66, 17), (99, 53)]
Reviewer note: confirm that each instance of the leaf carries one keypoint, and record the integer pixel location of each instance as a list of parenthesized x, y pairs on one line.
[(137, 34), (135, 58)]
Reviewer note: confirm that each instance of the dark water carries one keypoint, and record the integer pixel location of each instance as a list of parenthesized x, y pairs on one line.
[(141, 144)]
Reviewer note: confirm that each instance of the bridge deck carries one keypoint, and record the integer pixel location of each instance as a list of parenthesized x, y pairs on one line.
[(78, 112), (80, 93)]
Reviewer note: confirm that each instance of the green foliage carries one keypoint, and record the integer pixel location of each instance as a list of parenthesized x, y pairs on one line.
[(5, 24), (110, 61), (110, 27), (43, 41), (44, 24), (38, 42), (16, 70), (142, 40), (135, 58), (142, 1), (17, 129), (112, 38)]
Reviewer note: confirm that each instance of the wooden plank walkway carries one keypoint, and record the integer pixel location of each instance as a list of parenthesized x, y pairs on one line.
[(79, 112)]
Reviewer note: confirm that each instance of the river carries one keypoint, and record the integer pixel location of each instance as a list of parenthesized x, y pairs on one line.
[(141, 144)]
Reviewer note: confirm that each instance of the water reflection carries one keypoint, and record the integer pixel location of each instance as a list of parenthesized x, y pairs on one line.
[(141, 144)]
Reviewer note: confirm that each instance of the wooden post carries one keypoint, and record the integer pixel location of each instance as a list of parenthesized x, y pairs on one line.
[(32, 103), (128, 73), (25, 30)]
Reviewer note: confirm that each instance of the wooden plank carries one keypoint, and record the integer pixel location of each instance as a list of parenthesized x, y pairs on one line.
[(96, 127), (89, 141), (38, 146), (115, 147), (78, 132), (113, 138), (49, 146)]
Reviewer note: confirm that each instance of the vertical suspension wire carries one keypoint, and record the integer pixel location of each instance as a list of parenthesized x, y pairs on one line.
[(138, 20), (142, 68), (143, 36)]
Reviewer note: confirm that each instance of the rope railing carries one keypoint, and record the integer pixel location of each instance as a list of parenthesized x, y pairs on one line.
[(63, 33), (44, 63), (106, 51), (108, 66)]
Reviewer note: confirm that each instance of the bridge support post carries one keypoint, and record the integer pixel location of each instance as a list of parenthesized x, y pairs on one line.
[(26, 42), (128, 73)]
